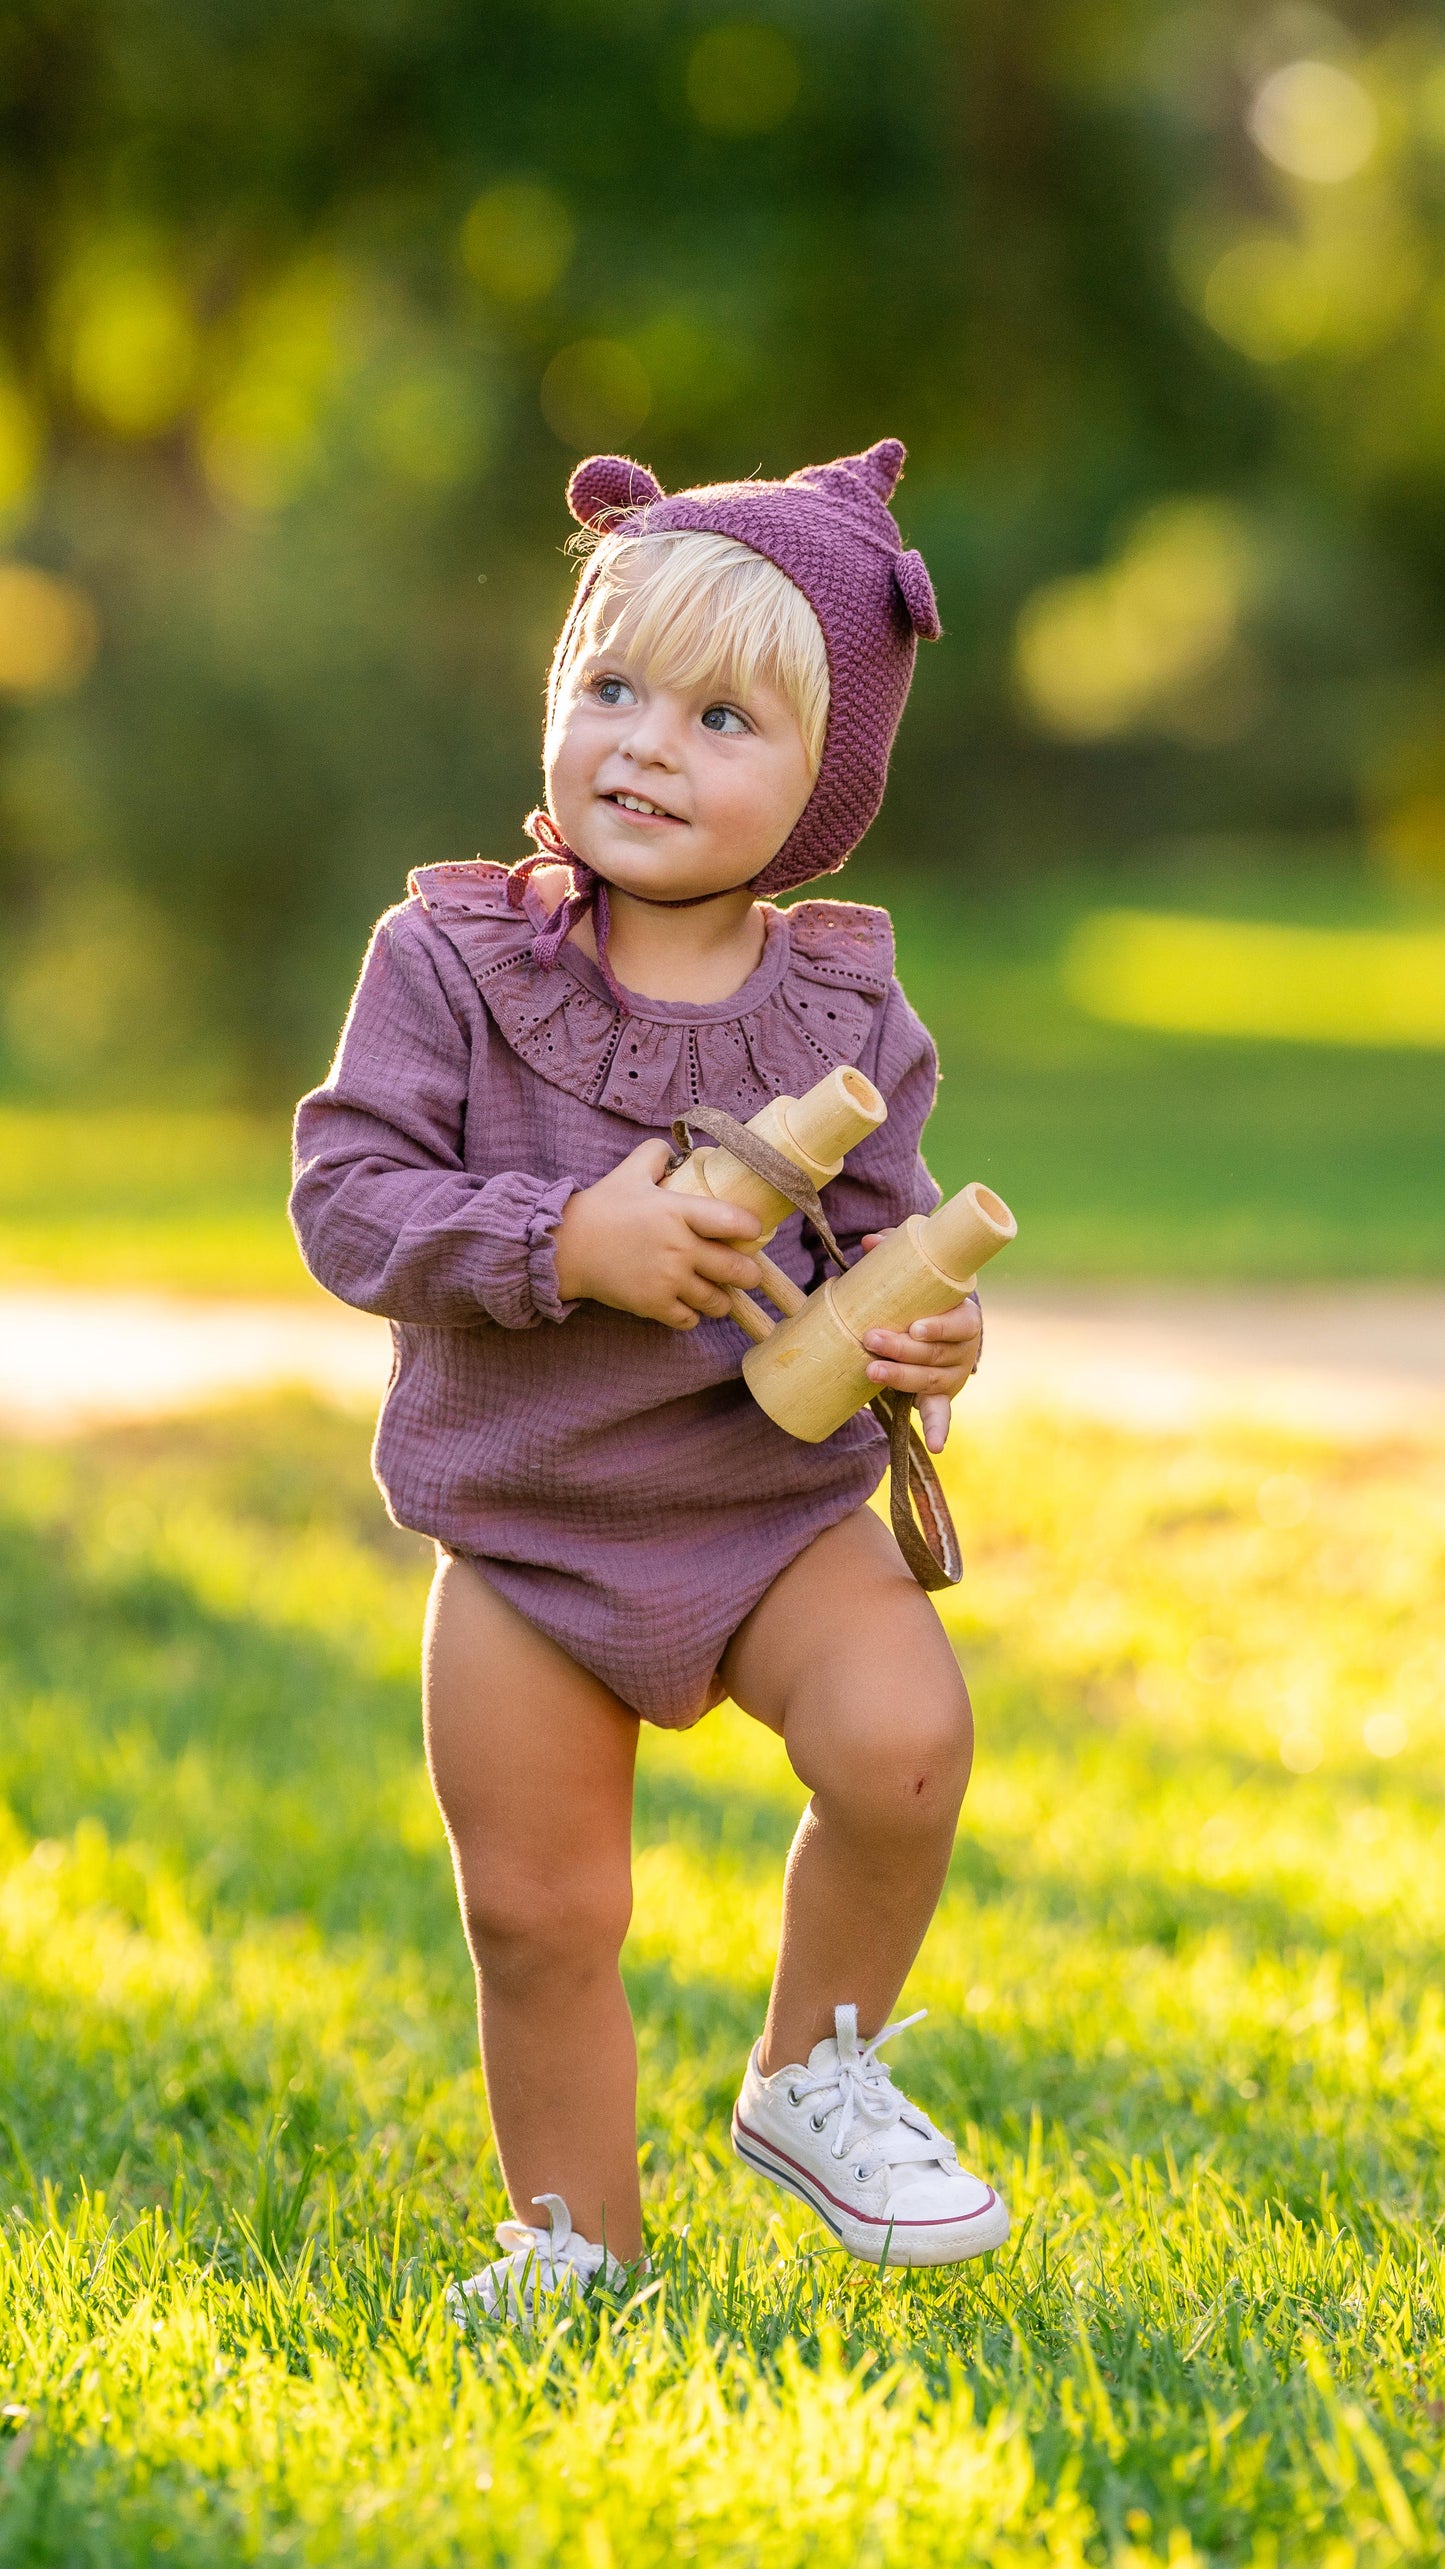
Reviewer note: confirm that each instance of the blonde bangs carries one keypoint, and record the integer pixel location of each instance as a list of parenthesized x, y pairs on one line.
[(702, 610)]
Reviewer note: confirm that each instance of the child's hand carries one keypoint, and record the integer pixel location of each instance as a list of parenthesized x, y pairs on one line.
[(664, 1256), (932, 1359)]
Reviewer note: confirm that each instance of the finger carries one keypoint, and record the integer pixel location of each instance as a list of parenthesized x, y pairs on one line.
[(678, 1316), (900, 1348), (650, 1159), (904, 1347), (921, 1380), (871, 1239), (963, 1322), (726, 1266), (706, 1299), (714, 1221), (935, 1417)]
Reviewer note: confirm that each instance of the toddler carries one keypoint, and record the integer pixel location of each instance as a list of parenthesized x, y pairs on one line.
[(622, 1534)]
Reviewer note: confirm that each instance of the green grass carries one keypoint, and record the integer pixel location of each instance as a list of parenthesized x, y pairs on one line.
[(191, 1202), (1126, 1152), (1186, 2005), (1123, 1152)]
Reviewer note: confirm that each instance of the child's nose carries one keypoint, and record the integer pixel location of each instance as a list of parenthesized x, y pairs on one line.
[(653, 735)]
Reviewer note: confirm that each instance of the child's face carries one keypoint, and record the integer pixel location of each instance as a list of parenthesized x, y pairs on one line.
[(672, 791)]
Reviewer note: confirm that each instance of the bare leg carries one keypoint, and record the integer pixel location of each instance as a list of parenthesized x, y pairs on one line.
[(532, 1760), (846, 1658)]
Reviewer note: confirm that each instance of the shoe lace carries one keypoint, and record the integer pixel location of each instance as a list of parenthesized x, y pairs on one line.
[(860, 2089), (544, 2260)]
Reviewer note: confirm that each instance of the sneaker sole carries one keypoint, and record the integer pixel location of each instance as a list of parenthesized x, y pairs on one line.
[(876, 2241)]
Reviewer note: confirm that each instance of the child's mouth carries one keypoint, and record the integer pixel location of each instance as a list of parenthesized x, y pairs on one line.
[(638, 808)]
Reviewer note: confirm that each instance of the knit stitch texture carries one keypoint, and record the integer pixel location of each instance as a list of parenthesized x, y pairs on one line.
[(830, 530)]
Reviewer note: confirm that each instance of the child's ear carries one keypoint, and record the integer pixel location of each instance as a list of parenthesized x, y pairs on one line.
[(610, 486)]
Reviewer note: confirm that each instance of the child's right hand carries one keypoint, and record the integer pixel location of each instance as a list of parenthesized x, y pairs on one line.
[(664, 1256)]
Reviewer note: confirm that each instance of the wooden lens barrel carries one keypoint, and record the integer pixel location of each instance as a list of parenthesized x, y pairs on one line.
[(815, 1132), (811, 1373)]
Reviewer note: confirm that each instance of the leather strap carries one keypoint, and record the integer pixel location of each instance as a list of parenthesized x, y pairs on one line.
[(922, 1526), (763, 1160)]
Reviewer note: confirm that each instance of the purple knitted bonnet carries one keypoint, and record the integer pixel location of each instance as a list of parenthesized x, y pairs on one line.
[(828, 528)]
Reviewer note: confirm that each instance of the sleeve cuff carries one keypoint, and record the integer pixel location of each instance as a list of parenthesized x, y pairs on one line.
[(542, 1250)]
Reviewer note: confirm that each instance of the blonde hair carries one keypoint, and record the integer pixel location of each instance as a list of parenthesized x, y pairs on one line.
[(696, 609)]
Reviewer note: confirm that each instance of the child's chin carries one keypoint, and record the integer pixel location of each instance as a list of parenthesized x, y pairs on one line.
[(651, 887), (643, 869)]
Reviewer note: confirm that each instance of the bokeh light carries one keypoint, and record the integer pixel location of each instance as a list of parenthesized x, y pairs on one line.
[(1344, 285), (126, 333), (1267, 298), (1385, 1734), (1113, 649), (49, 632), (1315, 121), (260, 437)]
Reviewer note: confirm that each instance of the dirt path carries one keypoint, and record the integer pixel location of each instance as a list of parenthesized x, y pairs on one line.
[(1349, 1363), (73, 1361)]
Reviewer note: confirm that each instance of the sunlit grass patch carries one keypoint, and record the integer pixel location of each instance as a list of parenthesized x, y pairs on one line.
[(1193, 976), (1185, 2005), (188, 1201)]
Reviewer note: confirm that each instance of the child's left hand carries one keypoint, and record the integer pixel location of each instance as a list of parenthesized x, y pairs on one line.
[(932, 1359)]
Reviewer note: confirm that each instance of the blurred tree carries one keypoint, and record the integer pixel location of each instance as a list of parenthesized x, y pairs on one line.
[(306, 308)]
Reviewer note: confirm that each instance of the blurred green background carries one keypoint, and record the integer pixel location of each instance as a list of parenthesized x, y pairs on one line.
[(307, 311)]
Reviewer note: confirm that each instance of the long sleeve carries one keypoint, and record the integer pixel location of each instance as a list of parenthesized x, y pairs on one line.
[(386, 1214), (887, 1178)]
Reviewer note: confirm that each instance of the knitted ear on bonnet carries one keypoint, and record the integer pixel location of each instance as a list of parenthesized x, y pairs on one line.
[(829, 528)]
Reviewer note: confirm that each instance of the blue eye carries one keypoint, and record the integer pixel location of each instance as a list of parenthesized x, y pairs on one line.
[(610, 691), (723, 718)]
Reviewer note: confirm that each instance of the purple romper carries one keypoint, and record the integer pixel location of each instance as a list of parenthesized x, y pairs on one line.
[(612, 1478)]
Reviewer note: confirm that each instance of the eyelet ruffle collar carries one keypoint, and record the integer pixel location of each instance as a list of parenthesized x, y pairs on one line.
[(827, 966)]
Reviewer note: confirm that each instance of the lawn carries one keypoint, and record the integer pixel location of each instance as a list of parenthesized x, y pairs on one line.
[(1128, 1152), (1186, 2004), (189, 1202), (1124, 1151)]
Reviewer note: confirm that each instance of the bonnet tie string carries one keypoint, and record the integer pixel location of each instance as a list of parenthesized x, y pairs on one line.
[(588, 892)]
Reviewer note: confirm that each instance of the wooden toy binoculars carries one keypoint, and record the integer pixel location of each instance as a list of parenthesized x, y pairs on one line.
[(809, 1371)]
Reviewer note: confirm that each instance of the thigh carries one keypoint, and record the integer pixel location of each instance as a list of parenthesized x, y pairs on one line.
[(846, 1652), (528, 1752)]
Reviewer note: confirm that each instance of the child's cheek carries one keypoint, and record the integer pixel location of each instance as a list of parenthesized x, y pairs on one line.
[(571, 760), (736, 810)]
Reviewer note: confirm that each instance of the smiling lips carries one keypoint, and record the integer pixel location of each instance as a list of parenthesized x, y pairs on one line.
[(635, 804)]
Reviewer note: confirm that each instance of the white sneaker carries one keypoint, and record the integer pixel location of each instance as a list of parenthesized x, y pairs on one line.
[(840, 2136), (539, 2265)]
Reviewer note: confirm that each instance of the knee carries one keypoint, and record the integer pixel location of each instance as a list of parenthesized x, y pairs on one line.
[(524, 1929), (899, 1767)]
